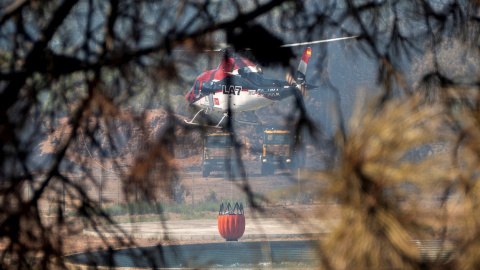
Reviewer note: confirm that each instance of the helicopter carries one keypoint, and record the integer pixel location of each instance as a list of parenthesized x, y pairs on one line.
[(238, 85)]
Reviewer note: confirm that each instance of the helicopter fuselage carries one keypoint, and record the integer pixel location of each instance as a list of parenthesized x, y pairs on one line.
[(237, 84), (239, 93)]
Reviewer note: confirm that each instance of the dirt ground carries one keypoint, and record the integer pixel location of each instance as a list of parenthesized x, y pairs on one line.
[(278, 189)]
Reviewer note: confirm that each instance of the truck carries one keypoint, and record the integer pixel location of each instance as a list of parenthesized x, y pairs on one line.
[(217, 152), (278, 151)]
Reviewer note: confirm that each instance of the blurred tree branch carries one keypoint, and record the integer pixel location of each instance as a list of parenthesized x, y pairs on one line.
[(101, 57)]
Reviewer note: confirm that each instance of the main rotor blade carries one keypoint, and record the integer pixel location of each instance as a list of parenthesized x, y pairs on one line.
[(224, 46), (315, 42)]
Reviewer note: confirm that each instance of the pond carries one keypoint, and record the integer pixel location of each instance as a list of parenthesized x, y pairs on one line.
[(268, 254)]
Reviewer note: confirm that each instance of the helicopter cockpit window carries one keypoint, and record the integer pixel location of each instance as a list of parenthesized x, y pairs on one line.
[(243, 71), (207, 87), (196, 88)]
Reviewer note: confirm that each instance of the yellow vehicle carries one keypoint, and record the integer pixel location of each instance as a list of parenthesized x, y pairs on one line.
[(277, 151), (217, 152)]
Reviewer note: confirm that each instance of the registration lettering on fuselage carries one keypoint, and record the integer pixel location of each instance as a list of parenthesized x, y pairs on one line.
[(232, 89)]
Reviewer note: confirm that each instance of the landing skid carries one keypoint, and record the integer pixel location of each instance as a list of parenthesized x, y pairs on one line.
[(259, 123), (198, 124)]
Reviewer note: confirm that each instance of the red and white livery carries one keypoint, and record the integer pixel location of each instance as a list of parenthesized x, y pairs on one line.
[(238, 85)]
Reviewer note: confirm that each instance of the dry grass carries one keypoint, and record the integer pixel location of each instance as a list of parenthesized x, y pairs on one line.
[(380, 217)]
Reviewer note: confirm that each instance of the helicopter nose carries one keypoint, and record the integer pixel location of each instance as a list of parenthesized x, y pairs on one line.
[(189, 96)]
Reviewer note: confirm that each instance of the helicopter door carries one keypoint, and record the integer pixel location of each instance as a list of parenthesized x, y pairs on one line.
[(205, 88), (210, 101)]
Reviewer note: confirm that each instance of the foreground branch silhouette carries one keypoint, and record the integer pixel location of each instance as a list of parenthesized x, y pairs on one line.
[(79, 80)]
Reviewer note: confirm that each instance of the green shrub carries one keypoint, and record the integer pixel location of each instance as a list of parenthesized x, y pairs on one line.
[(212, 197), (204, 209)]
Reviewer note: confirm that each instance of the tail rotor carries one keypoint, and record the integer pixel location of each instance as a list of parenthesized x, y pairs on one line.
[(300, 76)]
